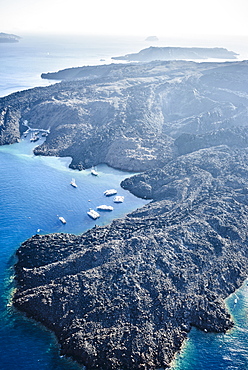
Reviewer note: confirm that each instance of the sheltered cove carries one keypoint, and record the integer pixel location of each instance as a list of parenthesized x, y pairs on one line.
[(126, 295)]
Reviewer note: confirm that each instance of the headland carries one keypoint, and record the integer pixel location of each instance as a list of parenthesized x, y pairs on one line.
[(126, 295)]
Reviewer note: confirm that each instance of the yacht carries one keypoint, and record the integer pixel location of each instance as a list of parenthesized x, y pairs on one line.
[(73, 183), (104, 207), (94, 172), (93, 214), (119, 199), (62, 220), (110, 192)]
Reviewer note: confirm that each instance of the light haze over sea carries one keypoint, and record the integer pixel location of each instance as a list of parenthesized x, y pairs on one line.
[(35, 190)]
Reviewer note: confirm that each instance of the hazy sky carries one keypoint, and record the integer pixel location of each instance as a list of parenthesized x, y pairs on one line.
[(137, 17)]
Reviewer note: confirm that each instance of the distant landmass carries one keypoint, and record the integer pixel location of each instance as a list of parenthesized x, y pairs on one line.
[(7, 37), (176, 53), (152, 38)]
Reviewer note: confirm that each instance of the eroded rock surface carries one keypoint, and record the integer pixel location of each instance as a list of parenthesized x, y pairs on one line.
[(128, 116), (126, 295)]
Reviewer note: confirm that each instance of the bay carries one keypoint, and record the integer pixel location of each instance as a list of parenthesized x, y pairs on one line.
[(36, 190)]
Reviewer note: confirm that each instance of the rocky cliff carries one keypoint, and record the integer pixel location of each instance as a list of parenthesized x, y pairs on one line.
[(128, 116), (125, 296)]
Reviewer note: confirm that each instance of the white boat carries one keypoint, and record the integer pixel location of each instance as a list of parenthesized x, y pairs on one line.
[(104, 207), (94, 172), (34, 137), (110, 192), (93, 214), (119, 199), (73, 183), (62, 220)]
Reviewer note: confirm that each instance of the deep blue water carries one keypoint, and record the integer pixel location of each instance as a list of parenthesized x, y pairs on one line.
[(36, 190)]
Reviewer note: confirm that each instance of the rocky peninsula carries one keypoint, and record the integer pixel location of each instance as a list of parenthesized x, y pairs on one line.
[(126, 295)]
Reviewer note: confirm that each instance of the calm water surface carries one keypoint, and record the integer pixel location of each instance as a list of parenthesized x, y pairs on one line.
[(36, 190)]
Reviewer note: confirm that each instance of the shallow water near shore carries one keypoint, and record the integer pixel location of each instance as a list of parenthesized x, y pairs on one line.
[(36, 190), (219, 351)]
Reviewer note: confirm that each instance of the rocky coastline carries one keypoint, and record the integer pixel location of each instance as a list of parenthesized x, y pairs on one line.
[(126, 295), (128, 116)]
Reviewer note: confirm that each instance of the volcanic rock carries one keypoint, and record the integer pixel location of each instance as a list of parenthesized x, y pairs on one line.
[(125, 296)]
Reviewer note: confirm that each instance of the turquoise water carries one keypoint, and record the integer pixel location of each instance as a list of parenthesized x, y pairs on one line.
[(36, 190), (219, 351)]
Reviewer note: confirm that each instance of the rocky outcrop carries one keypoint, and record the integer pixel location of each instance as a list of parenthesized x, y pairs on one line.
[(125, 296), (129, 116), (234, 137), (9, 125), (177, 53)]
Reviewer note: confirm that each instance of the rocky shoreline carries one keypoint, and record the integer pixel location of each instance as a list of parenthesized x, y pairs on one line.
[(125, 296), (128, 116)]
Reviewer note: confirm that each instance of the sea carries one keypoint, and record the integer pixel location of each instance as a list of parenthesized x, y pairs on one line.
[(35, 191)]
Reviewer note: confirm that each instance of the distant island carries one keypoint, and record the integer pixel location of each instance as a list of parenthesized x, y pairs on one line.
[(7, 37), (176, 53), (152, 38)]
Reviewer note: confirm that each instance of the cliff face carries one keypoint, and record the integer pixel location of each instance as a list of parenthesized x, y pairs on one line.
[(126, 295), (128, 116)]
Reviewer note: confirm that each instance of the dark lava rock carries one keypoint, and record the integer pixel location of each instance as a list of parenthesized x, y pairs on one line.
[(129, 115), (236, 137), (125, 296)]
